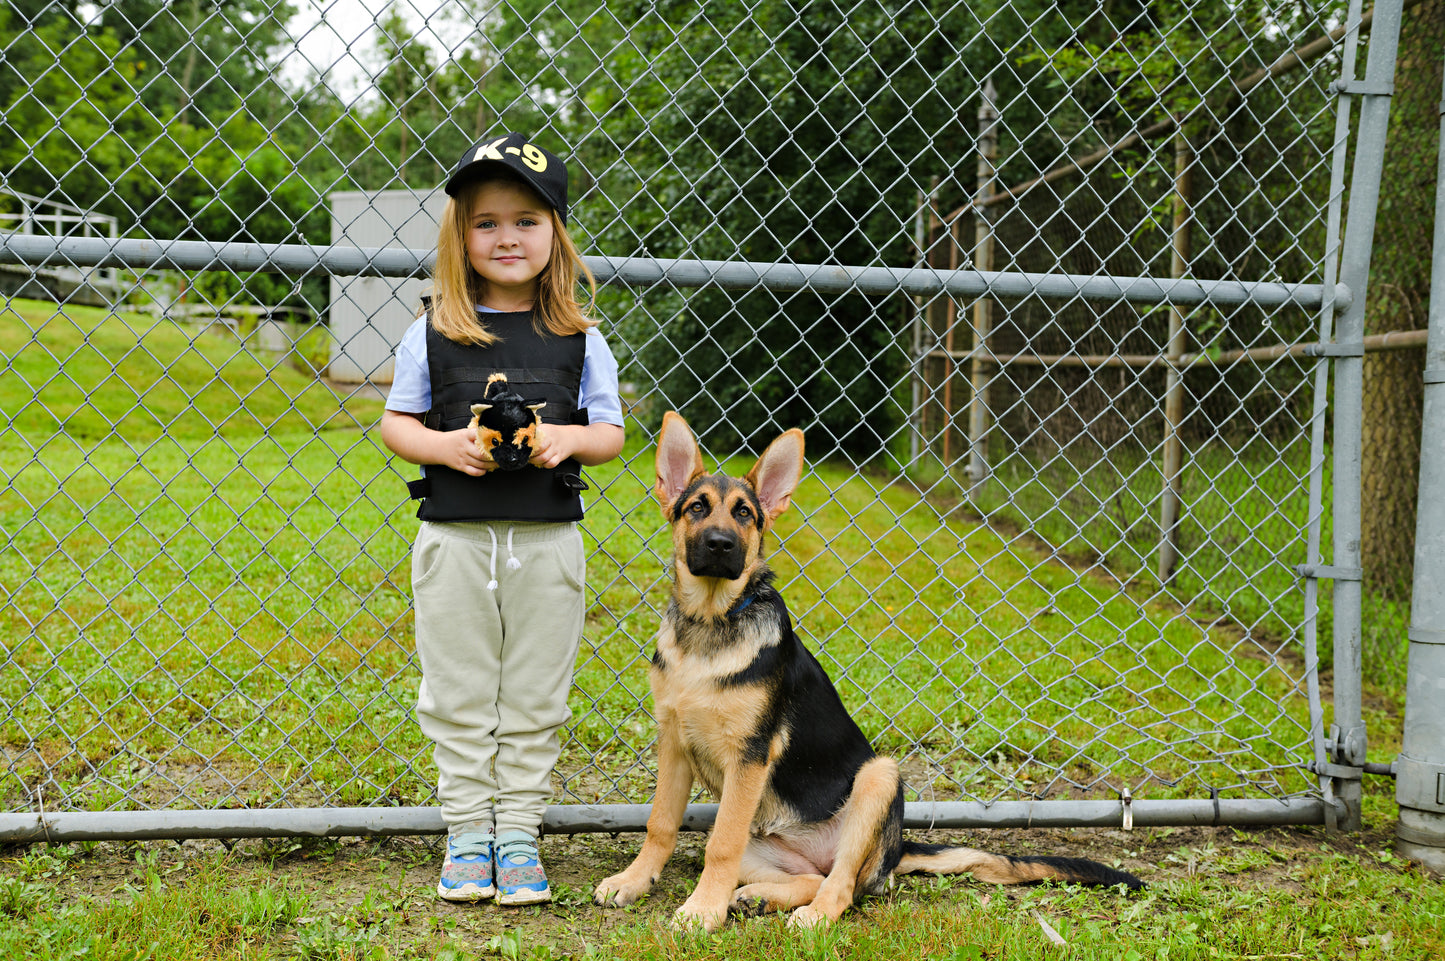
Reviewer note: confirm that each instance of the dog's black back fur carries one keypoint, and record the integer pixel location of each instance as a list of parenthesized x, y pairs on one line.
[(825, 745)]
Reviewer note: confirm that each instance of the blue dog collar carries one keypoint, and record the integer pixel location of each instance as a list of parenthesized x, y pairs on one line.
[(742, 604)]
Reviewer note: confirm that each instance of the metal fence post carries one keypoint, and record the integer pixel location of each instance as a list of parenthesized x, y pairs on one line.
[(1354, 23), (1347, 741), (1420, 768), (949, 229)]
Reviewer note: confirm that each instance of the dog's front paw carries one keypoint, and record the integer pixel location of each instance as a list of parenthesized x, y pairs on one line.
[(808, 917), (696, 914), (622, 889)]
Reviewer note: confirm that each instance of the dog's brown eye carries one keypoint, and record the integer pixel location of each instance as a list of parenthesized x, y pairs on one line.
[(743, 511), (696, 508)]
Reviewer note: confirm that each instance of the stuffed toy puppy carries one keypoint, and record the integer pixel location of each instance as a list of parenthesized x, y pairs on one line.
[(506, 424)]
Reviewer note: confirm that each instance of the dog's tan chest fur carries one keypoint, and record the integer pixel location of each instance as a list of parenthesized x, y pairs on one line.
[(713, 721)]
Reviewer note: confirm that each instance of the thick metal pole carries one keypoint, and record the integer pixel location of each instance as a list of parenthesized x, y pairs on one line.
[(1420, 768), (979, 415), (1309, 629), (609, 818), (1174, 379), (1347, 734), (346, 261)]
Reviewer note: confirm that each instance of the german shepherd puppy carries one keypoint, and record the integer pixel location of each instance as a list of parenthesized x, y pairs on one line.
[(809, 818)]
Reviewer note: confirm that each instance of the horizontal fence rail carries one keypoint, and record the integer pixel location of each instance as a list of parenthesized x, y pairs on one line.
[(344, 261), (619, 818), (1395, 340)]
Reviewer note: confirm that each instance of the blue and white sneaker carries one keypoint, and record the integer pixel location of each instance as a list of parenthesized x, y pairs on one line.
[(467, 871), (520, 876)]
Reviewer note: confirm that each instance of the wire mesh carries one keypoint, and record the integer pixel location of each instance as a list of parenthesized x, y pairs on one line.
[(206, 602)]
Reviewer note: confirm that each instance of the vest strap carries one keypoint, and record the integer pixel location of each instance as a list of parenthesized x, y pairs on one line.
[(517, 377)]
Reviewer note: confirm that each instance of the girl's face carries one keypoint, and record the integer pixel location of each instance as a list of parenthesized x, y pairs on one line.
[(509, 241)]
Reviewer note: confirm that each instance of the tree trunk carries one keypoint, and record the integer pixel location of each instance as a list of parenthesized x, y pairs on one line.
[(1399, 297)]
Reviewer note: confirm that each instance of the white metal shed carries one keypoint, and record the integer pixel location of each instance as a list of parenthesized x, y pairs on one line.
[(369, 314)]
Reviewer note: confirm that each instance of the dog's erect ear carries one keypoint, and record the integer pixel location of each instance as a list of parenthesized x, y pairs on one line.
[(776, 474), (679, 461), (479, 409)]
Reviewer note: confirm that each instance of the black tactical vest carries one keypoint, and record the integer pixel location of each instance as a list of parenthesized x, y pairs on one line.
[(540, 367)]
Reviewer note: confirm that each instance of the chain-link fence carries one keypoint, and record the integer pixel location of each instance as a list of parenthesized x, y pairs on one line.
[(1075, 408), (1043, 284)]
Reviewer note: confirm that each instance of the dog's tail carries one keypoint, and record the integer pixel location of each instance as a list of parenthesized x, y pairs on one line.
[(1002, 869)]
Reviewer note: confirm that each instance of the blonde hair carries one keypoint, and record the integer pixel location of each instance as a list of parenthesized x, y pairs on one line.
[(457, 289)]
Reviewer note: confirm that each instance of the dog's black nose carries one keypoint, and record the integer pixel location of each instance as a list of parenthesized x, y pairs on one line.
[(719, 542), (715, 553)]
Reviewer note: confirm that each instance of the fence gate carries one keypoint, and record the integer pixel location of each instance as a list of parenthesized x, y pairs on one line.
[(1059, 297)]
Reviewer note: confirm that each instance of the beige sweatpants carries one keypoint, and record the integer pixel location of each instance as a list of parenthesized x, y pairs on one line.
[(496, 663)]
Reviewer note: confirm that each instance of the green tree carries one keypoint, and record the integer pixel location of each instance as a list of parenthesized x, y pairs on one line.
[(407, 86), (203, 60), (90, 118), (64, 88), (78, 126), (781, 132)]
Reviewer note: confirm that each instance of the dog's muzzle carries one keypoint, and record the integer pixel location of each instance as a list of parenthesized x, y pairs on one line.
[(715, 553)]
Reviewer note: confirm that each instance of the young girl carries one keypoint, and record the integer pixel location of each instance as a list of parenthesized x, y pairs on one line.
[(497, 642)]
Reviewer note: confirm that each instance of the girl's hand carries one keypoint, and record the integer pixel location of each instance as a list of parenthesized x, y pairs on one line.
[(555, 443), (461, 454)]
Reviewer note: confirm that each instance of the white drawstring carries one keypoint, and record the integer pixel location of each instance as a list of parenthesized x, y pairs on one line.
[(492, 584), (513, 563)]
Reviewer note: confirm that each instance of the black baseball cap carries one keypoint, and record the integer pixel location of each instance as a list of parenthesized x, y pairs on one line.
[(540, 169)]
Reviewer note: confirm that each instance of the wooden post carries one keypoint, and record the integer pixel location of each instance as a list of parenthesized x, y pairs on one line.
[(1169, 501), (950, 370), (943, 312), (918, 354), (931, 316), (982, 366)]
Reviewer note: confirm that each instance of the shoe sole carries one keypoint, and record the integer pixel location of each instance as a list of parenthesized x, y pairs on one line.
[(466, 892), (520, 898)]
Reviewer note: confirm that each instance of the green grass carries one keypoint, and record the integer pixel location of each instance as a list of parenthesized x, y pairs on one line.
[(207, 602), (91, 376), (1212, 894), (1241, 534), (149, 916)]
